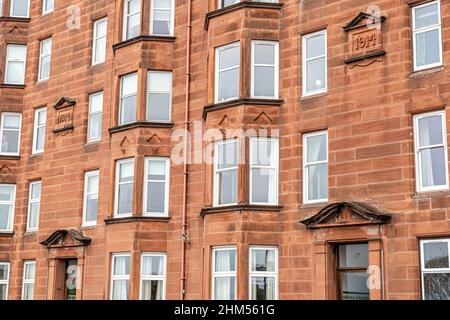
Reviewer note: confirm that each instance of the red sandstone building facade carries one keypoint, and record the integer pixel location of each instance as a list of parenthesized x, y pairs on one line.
[(317, 163)]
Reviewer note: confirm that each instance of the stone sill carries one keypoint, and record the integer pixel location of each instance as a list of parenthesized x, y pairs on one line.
[(136, 219), (140, 124), (9, 157), (430, 194), (12, 86), (143, 38), (239, 5), (15, 19), (240, 207), (426, 72), (240, 101), (6, 234)]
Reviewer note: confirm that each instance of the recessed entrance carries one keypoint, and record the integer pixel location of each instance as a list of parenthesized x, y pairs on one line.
[(66, 279)]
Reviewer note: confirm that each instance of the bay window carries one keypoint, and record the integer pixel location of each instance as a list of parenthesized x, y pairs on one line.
[(431, 151), (435, 269), (153, 276), (16, 57), (120, 276), (315, 167), (131, 19), (264, 171), (90, 198), (263, 273), (7, 204), (225, 172), (156, 186), (34, 205), (29, 272), (227, 72), (124, 187), (314, 67), (264, 73), (40, 119), (10, 128), (128, 98), (4, 280), (159, 96), (224, 266), (427, 35), (161, 17)]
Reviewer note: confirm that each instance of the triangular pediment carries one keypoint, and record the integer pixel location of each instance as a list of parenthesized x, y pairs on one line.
[(363, 19), (346, 214), (64, 102), (66, 238)]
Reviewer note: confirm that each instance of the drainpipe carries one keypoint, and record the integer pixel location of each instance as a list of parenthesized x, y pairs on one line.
[(184, 224)]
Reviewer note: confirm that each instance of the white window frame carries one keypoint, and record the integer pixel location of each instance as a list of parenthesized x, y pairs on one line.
[(167, 186), (417, 149), (11, 10), (87, 175), (126, 15), (90, 114), (172, 17), (306, 164), (267, 274), (12, 203), (117, 183), (36, 127), (217, 171), (119, 277), (25, 280), (9, 59), (274, 158), (275, 67), (217, 70), (216, 274), (42, 56), (7, 277), (2, 129), (31, 201), (156, 92), (426, 29), (44, 12), (122, 96), (305, 60), (96, 38), (153, 277), (422, 261)]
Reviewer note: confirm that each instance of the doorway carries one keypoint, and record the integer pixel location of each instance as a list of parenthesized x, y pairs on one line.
[(351, 272), (66, 279)]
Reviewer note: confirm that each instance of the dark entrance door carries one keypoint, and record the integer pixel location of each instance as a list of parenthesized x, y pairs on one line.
[(66, 279)]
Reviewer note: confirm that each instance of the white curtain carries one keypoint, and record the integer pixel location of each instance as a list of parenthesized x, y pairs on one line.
[(426, 160), (314, 147), (120, 289), (120, 286), (222, 288)]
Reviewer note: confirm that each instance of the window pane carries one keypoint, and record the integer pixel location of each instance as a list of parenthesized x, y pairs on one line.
[(264, 54), (318, 181), (128, 110), (40, 138), (433, 164), (156, 196), (120, 289), (427, 48), (159, 81), (15, 72), (315, 73), (263, 185), (91, 207), (42, 117), (121, 265), (134, 27), (435, 255), (315, 46), (153, 265), (2, 291), (229, 57), (228, 184), (125, 198), (263, 288), (36, 190), (100, 50), (101, 28), (354, 255), (317, 148), (6, 193), (162, 4), (158, 107), (264, 78), (426, 16), (436, 286), (5, 216), (152, 290), (263, 260), (134, 6), (430, 131), (95, 126), (20, 8), (262, 151), (30, 269), (11, 132), (4, 271), (226, 3), (129, 85), (28, 291), (225, 260), (161, 22), (354, 286), (227, 155), (229, 84), (46, 46), (34, 215), (126, 171), (45, 68), (224, 288)]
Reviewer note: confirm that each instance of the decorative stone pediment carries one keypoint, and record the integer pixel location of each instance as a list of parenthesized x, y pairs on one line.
[(64, 116), (365, 38), (66, 238), (346, 214)]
